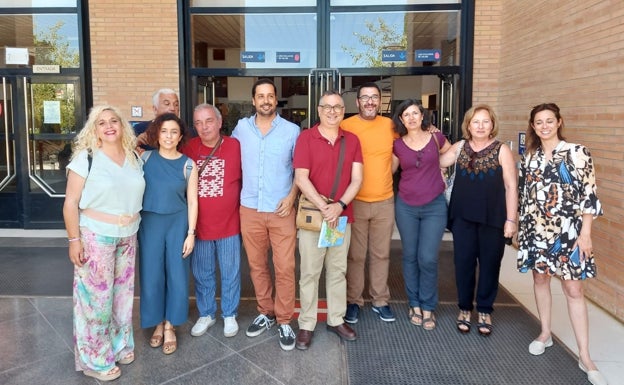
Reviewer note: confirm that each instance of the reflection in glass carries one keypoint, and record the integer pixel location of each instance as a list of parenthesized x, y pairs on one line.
[(49, 39), (358, 39), (53, 108), (51, 158), (286, 40), (7, 149), (37, 3)]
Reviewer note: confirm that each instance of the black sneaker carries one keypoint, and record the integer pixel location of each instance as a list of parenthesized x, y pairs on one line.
[(353, 311), (384, 312), (286, 337), (259, 325)]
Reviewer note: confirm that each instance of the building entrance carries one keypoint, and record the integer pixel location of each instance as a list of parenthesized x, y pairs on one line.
[(39, 116)]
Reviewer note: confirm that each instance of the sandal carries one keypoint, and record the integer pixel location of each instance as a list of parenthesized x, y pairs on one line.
[(429, 323), (128, 359), (485, 324), (463, 321), (416, 317), (158, 336), (110, 375), (171, 345)]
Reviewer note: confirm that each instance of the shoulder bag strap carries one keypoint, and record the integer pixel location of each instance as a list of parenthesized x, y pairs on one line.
[(435, 139), (214, 149), (339, 168), (188, 167)]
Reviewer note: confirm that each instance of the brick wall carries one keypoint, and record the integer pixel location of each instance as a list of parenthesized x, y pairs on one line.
[(134, 52), (570, 53)]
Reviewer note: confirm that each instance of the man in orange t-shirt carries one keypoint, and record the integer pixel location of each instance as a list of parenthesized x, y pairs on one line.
[(373, 207)]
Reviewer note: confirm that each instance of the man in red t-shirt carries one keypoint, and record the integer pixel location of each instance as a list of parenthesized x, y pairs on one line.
[(218, 159), (316, 158)]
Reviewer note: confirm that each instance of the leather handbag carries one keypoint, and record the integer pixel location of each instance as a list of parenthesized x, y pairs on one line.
[(309, 217)]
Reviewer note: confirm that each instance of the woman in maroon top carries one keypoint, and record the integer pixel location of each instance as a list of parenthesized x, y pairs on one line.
[(420, 208)]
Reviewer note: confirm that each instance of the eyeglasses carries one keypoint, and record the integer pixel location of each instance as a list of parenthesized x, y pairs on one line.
[(366, 98), (328, 108)]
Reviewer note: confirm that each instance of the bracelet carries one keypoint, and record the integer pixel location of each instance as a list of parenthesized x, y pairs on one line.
[(73, 239), (510, 220), (191, 232), (344, 205)]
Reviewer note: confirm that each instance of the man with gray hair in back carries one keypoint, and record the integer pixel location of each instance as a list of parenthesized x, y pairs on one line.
[(164, 100)]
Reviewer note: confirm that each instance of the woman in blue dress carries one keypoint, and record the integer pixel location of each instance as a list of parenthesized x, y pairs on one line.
[(167, 232)]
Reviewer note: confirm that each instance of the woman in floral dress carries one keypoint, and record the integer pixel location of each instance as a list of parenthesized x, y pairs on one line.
[(558, 204)]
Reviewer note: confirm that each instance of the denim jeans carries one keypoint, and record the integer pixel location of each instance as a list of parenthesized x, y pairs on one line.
[(203, 264), (421, 229)]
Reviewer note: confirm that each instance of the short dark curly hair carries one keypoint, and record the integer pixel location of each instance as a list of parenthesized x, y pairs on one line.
[(153, 130)]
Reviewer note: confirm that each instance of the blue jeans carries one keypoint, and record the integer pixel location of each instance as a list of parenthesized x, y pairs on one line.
[(421, 229), (203, 264)]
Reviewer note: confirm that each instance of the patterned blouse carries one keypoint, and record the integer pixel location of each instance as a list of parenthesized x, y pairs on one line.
[(554, 196)]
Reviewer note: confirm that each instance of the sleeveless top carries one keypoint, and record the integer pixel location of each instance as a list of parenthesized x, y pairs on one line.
[(165, 184), (479, 191)]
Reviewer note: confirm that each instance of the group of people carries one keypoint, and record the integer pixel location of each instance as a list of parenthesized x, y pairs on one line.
[(202, 196)]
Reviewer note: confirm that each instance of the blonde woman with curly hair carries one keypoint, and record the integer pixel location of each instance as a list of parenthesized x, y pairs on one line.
[(104, 193)]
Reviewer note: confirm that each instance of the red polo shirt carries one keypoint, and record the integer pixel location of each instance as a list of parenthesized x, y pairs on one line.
[(320, 157)]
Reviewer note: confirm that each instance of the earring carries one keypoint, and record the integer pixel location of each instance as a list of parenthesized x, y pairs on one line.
[(99, 142)]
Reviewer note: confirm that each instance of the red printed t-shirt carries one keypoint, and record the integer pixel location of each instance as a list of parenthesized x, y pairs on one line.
[(376, 137), (219, 188), (320, 157)]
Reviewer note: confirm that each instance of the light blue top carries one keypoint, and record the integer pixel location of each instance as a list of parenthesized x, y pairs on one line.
[(111, 189), (266, 162)]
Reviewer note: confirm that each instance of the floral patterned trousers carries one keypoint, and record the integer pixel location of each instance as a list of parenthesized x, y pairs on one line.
[(103, 294)]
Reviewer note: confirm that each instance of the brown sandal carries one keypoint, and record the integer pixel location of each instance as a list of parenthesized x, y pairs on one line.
[(416, 317), (171, 345), (158, 336), (429, 323)]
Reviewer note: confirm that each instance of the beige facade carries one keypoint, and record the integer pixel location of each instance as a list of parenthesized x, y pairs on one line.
[(526, 52)]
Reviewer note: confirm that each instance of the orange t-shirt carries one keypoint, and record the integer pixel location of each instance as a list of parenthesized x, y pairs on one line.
[(376, 137)]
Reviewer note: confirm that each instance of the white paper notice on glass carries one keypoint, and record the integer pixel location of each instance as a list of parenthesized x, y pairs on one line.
[(51, 112), (16, 56)]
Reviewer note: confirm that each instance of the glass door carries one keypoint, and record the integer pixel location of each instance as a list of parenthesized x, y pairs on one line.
[(319, 81), (41, 117), (9, 208)]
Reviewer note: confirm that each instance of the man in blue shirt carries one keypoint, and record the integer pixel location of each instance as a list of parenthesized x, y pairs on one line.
[(267, 210)]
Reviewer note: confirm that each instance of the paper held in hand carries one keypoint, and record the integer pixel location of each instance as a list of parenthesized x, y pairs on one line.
[(333, 236)]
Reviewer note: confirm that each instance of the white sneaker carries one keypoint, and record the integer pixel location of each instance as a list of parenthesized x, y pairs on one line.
[(230, 326), (538, 347), (202, 324)]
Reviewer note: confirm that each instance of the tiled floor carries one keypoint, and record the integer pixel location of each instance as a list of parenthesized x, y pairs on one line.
[(606, 334), (36, 345)]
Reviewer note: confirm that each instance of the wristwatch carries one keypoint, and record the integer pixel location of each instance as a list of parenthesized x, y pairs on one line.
[(344, 205)]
